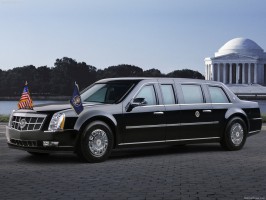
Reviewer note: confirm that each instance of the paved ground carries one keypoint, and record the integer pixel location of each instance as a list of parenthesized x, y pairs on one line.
[(190, 172)]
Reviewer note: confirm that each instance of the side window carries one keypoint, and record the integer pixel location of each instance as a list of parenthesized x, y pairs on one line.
[(218, 95), (148, 93), (168, 94), (192, 94)]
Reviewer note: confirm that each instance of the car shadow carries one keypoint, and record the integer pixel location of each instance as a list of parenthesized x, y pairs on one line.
[(127, 153), (164, 150)]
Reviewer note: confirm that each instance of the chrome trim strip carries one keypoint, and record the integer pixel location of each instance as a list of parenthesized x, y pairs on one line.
[(146, 126), (165, 141), (29, 115), (199, 123), (209, 138), (256, 118), (148, 142), (170, 125)]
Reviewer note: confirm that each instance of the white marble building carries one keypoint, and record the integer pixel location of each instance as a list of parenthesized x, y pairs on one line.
[(239, 61)]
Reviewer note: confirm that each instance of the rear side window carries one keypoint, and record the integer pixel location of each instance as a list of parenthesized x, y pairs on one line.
[(192, 94), (148, 93), (168, 94), (218, 95)]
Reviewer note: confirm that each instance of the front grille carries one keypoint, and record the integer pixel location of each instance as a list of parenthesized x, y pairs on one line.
[(27, 122), (24, 143)]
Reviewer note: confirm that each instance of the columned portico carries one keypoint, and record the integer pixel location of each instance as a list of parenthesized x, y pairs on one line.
[(239, 61), (238, 73)]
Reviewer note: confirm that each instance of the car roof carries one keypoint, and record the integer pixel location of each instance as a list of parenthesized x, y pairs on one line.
[(160, 79)]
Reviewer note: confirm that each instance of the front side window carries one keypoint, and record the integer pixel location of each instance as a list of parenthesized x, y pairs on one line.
[(192, 94), (168, 94), (148, 93), (218, 95), (106, 92)]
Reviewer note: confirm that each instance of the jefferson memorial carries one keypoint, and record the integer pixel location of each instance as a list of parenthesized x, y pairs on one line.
[(239, 61)]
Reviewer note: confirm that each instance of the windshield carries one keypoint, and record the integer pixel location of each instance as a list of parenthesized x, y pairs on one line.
[(106, 92)]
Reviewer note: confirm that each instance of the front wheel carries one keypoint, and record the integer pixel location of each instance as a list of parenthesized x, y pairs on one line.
[(235, 134), (96, 142)]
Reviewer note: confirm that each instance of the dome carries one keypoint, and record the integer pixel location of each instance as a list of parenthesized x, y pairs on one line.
[(240, 46)]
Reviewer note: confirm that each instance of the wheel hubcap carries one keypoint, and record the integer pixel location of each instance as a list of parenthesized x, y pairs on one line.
[(98, 142), (237, 134)]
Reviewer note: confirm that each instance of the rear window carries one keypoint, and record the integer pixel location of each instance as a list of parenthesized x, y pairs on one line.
[(218, 95)]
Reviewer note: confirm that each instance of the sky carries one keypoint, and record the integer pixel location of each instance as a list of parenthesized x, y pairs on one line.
[(164, 34)]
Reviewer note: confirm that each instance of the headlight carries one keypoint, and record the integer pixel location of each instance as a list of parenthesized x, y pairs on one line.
[(57, 122)]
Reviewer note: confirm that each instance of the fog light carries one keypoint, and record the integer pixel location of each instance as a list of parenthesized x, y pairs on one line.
[(50, 144)]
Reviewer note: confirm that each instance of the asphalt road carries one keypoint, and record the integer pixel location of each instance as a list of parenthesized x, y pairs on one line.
[(191, 172)]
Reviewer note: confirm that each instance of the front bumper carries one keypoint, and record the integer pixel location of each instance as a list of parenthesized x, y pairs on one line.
[(34, 141)]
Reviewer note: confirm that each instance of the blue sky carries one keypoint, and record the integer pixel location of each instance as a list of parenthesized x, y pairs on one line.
[(162, 34)]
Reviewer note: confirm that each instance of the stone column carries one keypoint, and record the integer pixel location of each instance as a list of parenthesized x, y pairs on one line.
[(237, 72), (224, 73), (243, 73), (230, 73), (218, 71), (249, 73), (206, 69), (211, 72), (255, 72)]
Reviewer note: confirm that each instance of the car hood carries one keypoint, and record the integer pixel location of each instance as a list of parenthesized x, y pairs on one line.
[(57, 107)]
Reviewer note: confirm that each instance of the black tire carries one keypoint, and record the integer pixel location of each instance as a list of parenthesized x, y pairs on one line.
[(38, 153), (96, 142), (235, 134)]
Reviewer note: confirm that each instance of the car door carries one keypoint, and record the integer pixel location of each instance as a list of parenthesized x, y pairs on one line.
[(197, 120), (220, 104), (172, 109), (145, 123)]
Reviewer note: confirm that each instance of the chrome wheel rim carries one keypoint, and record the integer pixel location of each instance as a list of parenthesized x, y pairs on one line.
[(237, 134), (98, 143)]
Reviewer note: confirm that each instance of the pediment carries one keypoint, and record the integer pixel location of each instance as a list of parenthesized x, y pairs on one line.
[(234, 56)]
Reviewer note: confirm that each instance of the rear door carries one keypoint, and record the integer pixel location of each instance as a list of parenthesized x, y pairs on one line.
[(196, 120), (220, 104)]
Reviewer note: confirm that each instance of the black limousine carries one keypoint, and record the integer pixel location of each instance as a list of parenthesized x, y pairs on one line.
[(127, 112)]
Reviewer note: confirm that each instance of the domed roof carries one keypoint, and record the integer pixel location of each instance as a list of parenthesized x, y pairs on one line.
[(241, 46)]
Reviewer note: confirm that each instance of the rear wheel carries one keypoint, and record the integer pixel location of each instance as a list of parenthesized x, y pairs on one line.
[(235, 134), (96, 142)]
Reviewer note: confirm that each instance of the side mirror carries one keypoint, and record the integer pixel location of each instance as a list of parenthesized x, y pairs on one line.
[(135, 103)]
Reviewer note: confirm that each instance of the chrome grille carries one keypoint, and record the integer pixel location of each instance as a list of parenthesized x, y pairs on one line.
[(27, 122)]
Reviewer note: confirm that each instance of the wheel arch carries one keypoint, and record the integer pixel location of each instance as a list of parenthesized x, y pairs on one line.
[(236, 112), (83, 121)]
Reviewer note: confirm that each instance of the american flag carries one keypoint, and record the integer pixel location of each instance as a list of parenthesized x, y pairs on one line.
[(25, 101)]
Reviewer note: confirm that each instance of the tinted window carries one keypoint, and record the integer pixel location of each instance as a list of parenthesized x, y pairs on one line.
[(148, 93), (106, 92), (192, 94), (218, 95), (168, 94)]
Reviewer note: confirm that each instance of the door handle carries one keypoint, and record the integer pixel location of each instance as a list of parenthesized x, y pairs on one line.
[(158, 113), (207, 111)]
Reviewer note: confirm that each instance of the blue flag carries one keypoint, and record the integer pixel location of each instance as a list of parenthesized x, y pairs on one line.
[(75, 100)]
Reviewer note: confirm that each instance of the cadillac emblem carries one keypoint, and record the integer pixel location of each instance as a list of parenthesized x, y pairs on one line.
[(22, 123), (77, 101)]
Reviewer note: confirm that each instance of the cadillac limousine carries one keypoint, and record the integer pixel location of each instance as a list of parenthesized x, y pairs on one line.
[(130, 112)]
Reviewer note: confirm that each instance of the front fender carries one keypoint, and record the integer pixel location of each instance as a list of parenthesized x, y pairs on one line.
[(83, 118)]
